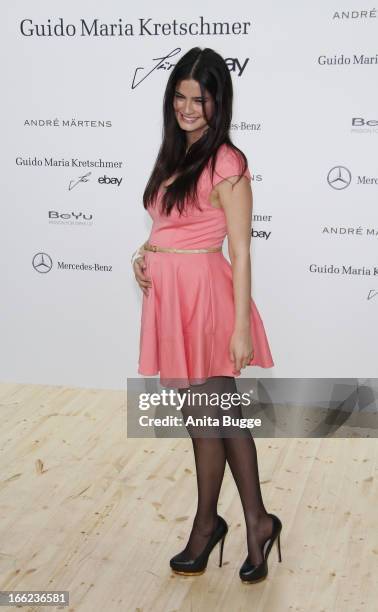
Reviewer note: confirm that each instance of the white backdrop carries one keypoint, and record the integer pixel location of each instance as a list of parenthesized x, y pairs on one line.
[(82, 125)]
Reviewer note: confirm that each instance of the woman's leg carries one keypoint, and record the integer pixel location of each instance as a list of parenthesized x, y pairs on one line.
[(239, 449), (210, 461), (241, 456)]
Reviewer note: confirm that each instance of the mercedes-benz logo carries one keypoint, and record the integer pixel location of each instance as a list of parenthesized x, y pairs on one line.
[(42, 262), (339, 177)]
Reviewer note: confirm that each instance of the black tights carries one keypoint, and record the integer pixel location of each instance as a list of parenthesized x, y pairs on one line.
[(211, 451)]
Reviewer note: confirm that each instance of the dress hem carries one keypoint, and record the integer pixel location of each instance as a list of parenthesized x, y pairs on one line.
[(184, 381)]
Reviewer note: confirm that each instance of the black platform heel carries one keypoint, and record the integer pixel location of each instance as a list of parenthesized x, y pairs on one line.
[(254, 573), (194, 567)]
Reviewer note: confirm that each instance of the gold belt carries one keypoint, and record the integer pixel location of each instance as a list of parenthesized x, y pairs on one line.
[(154, 248)]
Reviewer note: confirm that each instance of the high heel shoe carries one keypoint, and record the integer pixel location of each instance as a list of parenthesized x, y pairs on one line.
[(254, 573), (194, 567)]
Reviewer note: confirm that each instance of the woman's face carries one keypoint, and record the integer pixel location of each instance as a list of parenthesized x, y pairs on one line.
[(188, 107)]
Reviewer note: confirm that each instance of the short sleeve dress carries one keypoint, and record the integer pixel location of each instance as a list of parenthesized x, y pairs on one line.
[(187, 319)]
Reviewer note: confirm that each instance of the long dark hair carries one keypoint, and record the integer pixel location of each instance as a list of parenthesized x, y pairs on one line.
[(210, 70)]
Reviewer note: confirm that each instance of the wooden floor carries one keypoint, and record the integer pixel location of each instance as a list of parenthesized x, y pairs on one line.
[(87, 510)]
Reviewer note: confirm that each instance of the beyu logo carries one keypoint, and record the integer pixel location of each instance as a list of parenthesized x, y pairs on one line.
[(54, 214), (107, 180), (358, 121)]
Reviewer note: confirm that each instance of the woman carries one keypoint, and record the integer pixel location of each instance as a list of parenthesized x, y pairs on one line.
[(199, 323)]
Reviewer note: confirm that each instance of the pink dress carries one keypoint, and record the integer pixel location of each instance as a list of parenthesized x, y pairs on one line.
[(187, 318)]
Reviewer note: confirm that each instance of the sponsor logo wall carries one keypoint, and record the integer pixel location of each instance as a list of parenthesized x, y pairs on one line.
[(82, 126)]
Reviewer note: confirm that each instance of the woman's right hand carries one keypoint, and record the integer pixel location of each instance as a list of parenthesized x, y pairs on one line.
[(139, 267)]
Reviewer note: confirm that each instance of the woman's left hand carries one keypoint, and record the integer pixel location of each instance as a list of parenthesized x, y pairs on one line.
[(241, 349)]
